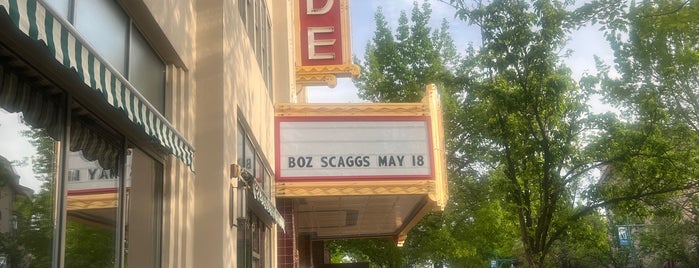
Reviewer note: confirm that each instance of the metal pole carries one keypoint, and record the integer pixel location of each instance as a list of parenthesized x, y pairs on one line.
[(633, 248)]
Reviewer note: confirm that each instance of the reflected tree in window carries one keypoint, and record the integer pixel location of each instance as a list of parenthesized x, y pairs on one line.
[(29, 243)]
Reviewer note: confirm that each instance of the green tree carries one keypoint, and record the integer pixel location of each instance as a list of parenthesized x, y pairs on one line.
[(537, 141), (656, 44), (379, 252), (396, 68), (527, 116)]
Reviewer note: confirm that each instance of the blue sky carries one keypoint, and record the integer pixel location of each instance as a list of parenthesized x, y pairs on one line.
[(585, 43)]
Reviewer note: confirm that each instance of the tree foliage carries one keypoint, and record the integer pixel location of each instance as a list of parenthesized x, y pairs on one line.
[(528, 117), (397, 67), (533, 172), (539, 142), (379, 252), (654, 80)]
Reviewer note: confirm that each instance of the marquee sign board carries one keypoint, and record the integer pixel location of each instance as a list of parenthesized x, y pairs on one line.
[(353, 148)]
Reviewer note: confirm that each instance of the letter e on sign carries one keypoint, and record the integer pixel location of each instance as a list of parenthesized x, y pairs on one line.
[(320, 32), (313, 43)]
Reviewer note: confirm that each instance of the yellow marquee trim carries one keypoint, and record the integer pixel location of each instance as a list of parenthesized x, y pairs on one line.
[(344, 188), (356, 109), (434, 103), (324, 75), (329, 80), (348, 69)]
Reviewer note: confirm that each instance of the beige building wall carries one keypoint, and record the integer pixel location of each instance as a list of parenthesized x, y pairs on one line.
[(170, 27), (284, 51), (213, 77)]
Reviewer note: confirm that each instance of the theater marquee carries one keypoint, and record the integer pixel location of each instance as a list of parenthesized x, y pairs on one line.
[(353, 148), (361, 169)]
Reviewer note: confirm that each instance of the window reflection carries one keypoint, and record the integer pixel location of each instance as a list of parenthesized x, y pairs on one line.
[(93, 193), (27, 180), (92, 212)]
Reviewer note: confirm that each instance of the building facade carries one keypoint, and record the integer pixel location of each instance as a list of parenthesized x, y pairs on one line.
[(152, 124)]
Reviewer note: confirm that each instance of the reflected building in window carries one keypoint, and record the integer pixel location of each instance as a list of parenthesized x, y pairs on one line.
[(11, 192)]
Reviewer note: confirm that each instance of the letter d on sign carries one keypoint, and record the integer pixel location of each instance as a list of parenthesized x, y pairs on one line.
[(311, 10)]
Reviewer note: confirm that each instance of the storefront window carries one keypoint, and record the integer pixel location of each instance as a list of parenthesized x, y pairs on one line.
[(103, 197), (258, 242), (31, 127), (250, 159), (93, 199), (253, 243), (253, 233), (144, 210), (92, 214), (27, 181)]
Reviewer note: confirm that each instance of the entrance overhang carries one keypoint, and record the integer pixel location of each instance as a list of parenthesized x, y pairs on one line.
[(380, 190)]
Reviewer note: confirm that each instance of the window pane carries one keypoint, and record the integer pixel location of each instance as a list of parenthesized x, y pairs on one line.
[(144, 209), (259, 171), (240, 145), (268, 64), (147, 72), (267, 182), (60, 6), (241, 9), (249, 157), (92, 213), (92, 200), (258, 31), (251, 21), (105, 26), (28, 170)]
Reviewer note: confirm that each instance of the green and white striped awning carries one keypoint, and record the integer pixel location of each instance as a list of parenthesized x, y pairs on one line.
[(69, 49), (262, 200)]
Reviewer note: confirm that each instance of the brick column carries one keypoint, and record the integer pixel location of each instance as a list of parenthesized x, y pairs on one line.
[(286, 241)]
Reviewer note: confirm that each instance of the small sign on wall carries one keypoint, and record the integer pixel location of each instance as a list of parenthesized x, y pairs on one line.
[(353, 148), (624, 235)]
